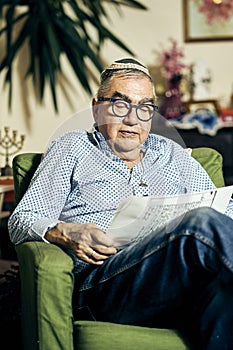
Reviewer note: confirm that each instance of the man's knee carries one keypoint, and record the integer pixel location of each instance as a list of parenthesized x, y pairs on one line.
[(205, 215), (204, 212), (206, 223)]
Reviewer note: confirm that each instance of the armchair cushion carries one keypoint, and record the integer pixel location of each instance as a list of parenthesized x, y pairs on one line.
[(122, 337)]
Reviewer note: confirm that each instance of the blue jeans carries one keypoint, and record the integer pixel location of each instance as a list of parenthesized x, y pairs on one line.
[(181, 280)]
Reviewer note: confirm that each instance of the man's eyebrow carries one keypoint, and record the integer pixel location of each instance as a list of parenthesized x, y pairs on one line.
[(120, 95), (148, 99), (126, 98)]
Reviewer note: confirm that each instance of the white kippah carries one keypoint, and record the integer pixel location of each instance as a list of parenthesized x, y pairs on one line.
[(127, 63)]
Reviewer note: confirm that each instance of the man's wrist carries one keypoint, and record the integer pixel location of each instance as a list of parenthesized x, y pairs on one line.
[(55, 236)]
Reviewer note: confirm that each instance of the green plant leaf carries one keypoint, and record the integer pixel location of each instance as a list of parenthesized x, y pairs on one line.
[(52, 28), (129, 3)]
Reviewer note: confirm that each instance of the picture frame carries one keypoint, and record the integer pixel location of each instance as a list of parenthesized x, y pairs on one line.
[(212, 105), (196, 28)]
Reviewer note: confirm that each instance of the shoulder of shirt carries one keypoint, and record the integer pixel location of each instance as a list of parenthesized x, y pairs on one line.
[(80, 133), (154, 141), (75, 141), (164, 146), (71, 137)]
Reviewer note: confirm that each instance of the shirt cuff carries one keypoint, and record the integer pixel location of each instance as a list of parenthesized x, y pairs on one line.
[(40, 227)]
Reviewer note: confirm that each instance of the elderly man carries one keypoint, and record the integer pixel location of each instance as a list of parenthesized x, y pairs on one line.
[(173, 280)]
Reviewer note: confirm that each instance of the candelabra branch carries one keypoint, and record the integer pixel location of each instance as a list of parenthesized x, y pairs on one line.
[(11, 145)]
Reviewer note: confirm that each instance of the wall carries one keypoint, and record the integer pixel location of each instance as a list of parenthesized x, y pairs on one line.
[(145, 32)]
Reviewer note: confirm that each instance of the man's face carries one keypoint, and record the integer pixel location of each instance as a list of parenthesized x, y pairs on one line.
[(125, 135)]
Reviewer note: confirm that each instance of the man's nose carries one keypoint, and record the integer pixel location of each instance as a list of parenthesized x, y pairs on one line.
[(131, 117)]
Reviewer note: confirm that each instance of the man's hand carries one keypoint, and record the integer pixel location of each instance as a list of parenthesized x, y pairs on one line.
[(88, 241)]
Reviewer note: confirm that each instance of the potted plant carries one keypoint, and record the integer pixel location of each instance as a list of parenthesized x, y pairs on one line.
[(52, 29)]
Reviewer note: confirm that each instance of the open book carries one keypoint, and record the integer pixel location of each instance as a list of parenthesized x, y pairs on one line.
[(137, 217)]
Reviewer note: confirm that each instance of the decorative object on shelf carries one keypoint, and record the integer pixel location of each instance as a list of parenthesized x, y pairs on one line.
[(200, 79), (206, 121), (211, 105), (52, 30), (8, 142), (172, 65)]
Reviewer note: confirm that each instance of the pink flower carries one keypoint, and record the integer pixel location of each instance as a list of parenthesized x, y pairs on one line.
[(172, 60), (214, 11)]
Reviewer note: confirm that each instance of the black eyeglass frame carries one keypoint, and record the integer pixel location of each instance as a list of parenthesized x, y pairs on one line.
[(113, 99)]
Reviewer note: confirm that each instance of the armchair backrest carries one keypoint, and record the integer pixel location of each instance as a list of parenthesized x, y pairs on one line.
[(25, 164), (212, 161)]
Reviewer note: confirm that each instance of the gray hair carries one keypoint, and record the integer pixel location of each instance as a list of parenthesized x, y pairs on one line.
[(121, 69)]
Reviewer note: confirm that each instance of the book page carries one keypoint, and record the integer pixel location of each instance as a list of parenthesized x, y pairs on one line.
[(137, 217)]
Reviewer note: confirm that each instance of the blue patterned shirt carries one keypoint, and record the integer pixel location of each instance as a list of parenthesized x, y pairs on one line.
[(81, 180)]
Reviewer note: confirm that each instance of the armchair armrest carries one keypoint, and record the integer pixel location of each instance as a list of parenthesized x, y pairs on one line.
[(46, 274)]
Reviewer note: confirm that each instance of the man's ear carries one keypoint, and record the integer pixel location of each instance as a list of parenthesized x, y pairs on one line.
[(95, 109)]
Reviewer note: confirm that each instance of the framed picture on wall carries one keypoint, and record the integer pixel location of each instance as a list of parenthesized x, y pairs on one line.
[(204, 22)]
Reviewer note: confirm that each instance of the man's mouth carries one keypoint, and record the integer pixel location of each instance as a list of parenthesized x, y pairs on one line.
[(128, 133)]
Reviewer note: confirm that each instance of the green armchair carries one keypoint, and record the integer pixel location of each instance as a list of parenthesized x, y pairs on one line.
[(47, 281)]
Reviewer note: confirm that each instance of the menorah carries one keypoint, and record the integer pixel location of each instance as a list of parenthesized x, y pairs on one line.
[(8, 142)]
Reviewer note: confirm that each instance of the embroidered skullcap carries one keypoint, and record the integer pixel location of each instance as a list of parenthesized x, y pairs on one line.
[(125, 63)]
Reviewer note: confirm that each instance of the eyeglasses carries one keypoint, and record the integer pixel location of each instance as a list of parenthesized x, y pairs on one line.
[(122, 108)]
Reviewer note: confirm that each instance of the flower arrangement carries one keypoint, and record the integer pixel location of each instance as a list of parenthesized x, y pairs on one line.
[(172, 64), (215, 11), (172, 61)]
